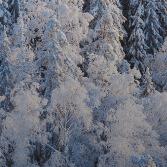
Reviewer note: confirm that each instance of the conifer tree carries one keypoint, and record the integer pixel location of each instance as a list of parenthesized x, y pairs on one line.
[(162, 12), (5, 74), (137, 43), (5, 15), (68, 97), (153, 29), (14, 8), (148, 87)]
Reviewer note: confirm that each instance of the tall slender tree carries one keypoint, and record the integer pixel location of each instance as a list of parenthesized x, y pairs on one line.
[(5, 75), (137, 43), (153, 29)]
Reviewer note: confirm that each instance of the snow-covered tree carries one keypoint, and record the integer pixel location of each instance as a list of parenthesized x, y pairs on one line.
[(21, 127), (5, 15), (70, 90), (5, 74), (153, 29), (137, 43), (69, 117), (162, 8), (148, 86), (106, 30), (120, 139), (14, 8), (157, 65)]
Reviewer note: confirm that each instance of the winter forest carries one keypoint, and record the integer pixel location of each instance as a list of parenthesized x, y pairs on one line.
[(83, 83)]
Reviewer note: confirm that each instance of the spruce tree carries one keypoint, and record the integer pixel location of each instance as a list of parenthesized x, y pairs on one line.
[(148, 86), (137, 44), (153, 27), (5, 75), (162, 12)]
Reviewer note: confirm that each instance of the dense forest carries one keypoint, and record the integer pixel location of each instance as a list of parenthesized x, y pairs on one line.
[(83, 83)]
